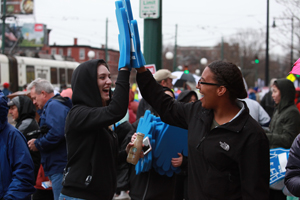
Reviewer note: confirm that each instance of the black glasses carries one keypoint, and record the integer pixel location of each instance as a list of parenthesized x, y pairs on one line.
[(205, 83)]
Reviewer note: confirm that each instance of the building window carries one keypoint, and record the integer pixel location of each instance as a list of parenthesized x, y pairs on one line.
[(69, 53), (53, 51), (53, 75), (62, 76), (98, 55), (61, 52), (81, 54), (70, 72), (30, 76), (41, 73)]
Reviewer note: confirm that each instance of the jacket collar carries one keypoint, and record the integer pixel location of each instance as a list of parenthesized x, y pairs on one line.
[(235, 125)]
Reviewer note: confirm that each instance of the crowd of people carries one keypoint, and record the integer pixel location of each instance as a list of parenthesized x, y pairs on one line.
[(73, 144)]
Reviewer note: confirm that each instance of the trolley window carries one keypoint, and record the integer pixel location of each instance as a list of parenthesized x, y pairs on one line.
[(70, 72), (29, 73), (54, 75), (62, 76)]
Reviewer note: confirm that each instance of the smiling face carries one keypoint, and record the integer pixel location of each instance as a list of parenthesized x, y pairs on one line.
[(13, 110), (276, 94), (209, 92), (104, 83)]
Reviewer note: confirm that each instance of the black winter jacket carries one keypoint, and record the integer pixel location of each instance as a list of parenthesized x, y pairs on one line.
[(228, 162), (292, 175), (28, 126), (92, 147)]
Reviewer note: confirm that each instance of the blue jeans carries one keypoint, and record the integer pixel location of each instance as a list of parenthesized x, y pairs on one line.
[(65, 197), (56, 180)]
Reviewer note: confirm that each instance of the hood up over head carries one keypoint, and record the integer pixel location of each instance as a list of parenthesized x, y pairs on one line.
[(25, 107), (287, 92), (84, 84), (185, 96)]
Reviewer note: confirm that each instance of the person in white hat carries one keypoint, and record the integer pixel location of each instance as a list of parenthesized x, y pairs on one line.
[(164, 77)]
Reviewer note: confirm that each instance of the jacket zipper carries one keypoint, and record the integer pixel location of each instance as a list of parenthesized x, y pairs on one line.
[(201, 141)]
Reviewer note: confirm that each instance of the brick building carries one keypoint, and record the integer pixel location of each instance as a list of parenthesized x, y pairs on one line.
[(79, 53)]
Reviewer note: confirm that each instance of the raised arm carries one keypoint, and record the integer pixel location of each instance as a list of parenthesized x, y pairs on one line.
[(94, 117), (170, 111)]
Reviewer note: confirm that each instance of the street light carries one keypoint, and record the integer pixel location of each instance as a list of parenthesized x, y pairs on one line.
[(292, 35), (169, 56), (91, 54), (203, 61)]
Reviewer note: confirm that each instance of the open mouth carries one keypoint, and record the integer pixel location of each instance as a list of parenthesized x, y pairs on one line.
[(106, 91), (201, 96)]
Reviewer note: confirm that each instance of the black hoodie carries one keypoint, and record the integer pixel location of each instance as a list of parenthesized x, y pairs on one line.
[(92, 146), (27, 125), (185, 96)]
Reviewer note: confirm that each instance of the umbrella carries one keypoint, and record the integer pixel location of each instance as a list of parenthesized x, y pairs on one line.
[(18, 93), (296, 68), (182, 78)]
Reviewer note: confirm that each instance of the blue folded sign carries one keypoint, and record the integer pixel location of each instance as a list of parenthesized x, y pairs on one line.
[(166, 142)]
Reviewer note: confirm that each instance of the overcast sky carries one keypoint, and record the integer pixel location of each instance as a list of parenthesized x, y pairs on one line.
[(200, 22)]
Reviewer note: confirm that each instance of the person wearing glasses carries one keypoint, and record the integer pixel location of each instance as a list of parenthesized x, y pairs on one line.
[(228, 150)]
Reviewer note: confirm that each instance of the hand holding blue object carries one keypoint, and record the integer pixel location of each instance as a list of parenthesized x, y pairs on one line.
[(124, 43), (129, 38), (174, 139), (166, 142), (146, 127)]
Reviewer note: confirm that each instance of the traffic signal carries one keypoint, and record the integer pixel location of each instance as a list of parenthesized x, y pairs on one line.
[(256, 60), (186, 70)]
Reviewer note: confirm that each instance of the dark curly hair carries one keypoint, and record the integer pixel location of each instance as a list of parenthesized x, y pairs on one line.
[(230, 76)]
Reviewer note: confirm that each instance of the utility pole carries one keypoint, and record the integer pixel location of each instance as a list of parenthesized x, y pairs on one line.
[(267, 48), (3, 26), (175, 50), (106, 51), (292, 45), (153, 39)]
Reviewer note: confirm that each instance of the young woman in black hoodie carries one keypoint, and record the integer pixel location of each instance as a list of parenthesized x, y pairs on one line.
[(92, 146)]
